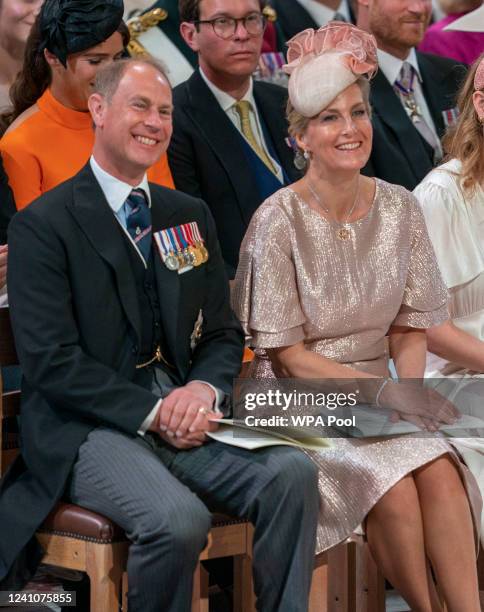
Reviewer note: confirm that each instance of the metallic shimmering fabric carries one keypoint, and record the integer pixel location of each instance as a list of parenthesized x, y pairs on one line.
[(297, 281)]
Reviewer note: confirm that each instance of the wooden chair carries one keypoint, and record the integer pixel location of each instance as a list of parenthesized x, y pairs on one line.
[(346, 579), (78, 539)]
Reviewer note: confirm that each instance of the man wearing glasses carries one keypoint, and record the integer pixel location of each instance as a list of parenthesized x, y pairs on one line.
[(229, 141)]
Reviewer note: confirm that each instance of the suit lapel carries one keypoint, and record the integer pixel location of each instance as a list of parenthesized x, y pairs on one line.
[(275, 122), (435, 91), (292, 17), (96, 219), (390, 110), (225, 142), (163, 216)]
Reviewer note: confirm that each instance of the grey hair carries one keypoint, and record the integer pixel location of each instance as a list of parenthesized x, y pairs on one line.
[(108, 78)]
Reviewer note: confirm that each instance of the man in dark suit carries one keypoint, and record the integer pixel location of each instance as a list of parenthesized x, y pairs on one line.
[(412, 95), (294, 16), (105, 324), (229, 140)]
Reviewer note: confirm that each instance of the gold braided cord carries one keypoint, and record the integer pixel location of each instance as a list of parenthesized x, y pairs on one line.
[(140, 24), (269, 13)]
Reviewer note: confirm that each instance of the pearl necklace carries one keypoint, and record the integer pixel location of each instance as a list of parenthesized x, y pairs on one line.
[(343, 233)]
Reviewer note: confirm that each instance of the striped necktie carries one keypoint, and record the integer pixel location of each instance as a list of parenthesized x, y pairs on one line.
[(405, 90), (243, 108), (138, 221)]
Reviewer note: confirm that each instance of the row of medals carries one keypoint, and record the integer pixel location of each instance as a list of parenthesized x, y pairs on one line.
[(192, 255)]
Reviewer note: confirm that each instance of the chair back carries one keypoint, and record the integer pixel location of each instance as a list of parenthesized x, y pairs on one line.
[(9, 401)]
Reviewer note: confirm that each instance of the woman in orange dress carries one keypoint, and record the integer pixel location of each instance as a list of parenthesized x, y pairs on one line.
[(49, 134)]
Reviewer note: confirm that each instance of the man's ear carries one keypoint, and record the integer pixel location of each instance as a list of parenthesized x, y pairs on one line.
[(97, 105), (189, 34)]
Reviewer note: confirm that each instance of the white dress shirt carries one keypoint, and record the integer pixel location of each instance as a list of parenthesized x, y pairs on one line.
[(391, 66), (3, 297), (116, 192), (323, 14), (227, 104)]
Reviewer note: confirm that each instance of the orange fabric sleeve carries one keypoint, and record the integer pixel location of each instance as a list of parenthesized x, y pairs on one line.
[(24, 173)]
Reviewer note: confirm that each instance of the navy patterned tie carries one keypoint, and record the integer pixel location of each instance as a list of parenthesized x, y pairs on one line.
[(404, 88), (138, 221)]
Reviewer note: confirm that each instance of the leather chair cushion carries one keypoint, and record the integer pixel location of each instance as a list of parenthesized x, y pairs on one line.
[(76, 522)]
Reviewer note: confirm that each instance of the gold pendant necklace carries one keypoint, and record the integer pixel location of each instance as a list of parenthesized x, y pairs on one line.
[(343, 233)]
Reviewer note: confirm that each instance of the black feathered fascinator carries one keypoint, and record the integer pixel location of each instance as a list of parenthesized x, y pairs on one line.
[(71, 26)]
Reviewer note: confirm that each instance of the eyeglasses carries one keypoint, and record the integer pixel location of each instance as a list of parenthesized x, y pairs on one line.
[(226, 27)]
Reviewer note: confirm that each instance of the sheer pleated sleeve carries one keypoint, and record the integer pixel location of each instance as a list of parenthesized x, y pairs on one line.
[(425, 297), (449, 223), (265, 294)]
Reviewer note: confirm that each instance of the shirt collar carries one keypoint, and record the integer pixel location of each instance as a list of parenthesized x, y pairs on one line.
[(321, 13), (224, 99), (116, 191), (391, 65)]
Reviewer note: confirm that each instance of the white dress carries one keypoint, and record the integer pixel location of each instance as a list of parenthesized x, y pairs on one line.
[(455, 223)]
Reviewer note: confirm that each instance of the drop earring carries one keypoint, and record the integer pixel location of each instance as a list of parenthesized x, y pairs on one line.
[(300, 160)]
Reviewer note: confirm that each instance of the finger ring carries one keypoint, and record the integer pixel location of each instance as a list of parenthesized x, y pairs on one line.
[(203, 410)]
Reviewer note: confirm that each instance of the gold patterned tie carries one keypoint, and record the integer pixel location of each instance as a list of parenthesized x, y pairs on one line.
[(243, 110)]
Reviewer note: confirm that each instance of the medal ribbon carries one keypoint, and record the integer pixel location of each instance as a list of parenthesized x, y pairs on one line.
[(270, 63), (196, 232), (406, 91), (181, 237), (161, 244), (174, 242), (188, 230), (186, 234)]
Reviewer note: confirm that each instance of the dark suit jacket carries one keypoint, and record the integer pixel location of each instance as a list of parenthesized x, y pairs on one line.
[(76, 322), (207, 158), (7, 204), (399, 154), (293, 18)]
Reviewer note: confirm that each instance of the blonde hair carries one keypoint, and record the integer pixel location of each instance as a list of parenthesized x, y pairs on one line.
[(464, 140)]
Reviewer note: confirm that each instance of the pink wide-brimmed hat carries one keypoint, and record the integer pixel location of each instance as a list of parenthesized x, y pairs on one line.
[(322, 63)]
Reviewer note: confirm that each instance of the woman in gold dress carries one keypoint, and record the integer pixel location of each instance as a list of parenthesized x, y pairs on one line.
[(329, 267)]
